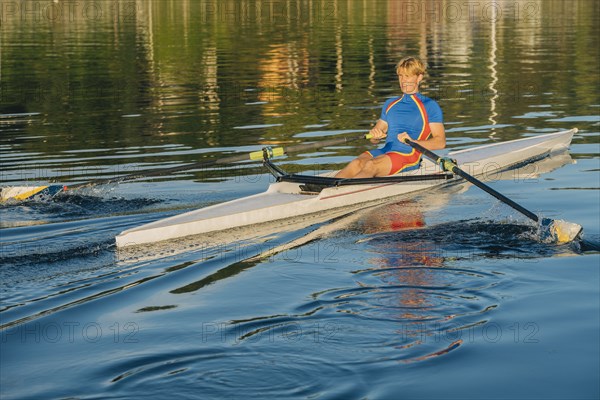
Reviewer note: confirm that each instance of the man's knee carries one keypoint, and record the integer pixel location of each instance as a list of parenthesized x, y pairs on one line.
[(359, 163), (369, 165)]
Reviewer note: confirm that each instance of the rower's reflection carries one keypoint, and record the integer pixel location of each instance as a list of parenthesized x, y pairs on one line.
[(408, 268), (402, 261), (393, 228)]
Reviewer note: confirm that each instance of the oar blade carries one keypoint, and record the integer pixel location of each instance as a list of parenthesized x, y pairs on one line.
[(559, 231), (22, 193)]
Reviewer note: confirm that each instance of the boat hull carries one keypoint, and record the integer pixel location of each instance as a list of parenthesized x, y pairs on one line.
[(284, 200)]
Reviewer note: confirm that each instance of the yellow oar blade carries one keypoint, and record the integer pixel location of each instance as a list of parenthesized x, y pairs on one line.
[(559, 231), (21, 193)]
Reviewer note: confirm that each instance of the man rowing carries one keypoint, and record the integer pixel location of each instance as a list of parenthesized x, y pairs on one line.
[(411, 116)]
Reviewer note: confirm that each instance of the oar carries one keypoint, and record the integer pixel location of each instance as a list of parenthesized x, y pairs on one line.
[(554, 230), (21, 193)]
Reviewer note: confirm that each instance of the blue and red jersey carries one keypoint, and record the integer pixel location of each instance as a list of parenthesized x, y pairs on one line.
[(410, 113)]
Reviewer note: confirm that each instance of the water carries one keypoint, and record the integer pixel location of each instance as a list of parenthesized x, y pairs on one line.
[(446, 295)]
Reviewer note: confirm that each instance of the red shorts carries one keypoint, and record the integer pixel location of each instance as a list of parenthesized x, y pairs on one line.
[(401, 162)]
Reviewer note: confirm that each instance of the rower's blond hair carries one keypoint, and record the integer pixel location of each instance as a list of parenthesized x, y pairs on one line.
[(412, 65)]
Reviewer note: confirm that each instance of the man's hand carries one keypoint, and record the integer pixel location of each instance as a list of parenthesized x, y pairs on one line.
[(377, 134), (402, 137)]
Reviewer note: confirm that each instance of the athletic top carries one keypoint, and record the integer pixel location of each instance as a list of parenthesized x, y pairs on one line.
[(410, 113)]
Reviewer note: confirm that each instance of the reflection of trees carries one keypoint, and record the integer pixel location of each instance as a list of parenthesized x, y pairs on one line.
[(196, 69)]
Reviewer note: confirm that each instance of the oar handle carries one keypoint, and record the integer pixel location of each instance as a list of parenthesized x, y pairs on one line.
[(451, 165)]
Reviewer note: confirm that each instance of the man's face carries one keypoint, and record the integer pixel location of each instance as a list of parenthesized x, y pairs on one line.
[(409, 83)]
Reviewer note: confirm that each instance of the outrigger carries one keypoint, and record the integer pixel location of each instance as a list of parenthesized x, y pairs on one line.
[(293, 195)]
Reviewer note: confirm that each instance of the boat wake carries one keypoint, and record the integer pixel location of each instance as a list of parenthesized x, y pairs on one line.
[(68, 207), (476, 238)]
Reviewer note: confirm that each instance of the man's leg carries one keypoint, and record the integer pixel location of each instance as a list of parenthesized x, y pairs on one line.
[(355, 166), (378, 166)]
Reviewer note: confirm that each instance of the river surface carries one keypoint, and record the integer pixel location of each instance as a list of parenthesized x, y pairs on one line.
[(448, 294)]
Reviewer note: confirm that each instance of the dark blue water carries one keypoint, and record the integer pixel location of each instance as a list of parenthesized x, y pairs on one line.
[(448, 294)]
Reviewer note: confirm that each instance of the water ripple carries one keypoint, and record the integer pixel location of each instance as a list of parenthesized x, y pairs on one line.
[(213, 372), (420, 318)]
